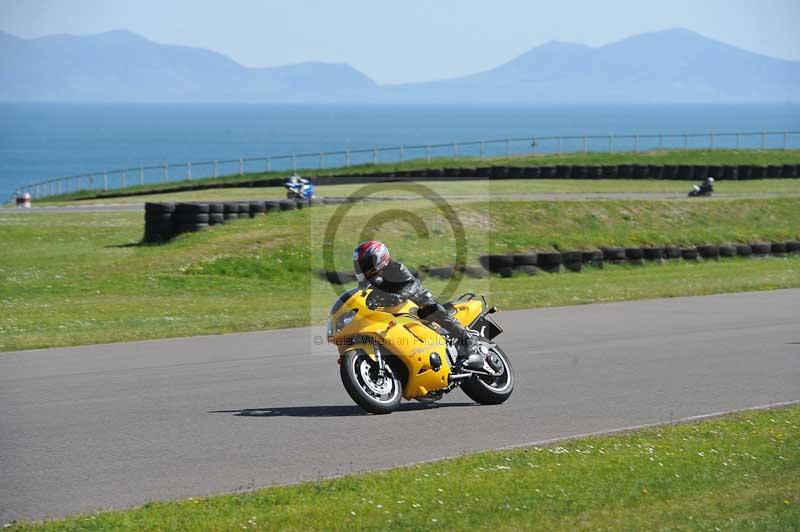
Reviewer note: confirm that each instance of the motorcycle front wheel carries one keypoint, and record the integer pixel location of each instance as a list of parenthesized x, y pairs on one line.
[(491, 390), (374, 392)]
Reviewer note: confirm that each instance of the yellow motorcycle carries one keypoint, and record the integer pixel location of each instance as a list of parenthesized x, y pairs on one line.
[(386, 352)]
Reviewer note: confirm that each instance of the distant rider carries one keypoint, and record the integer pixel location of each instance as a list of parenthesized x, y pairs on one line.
[(394, 283), (707, 186)]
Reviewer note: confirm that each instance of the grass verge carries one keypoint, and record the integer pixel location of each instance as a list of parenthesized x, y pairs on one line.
[(701, 157), (516, 188), (81, 278), (732, 473)]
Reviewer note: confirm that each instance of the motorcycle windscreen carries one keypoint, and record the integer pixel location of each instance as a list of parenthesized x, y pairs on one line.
[(486, 327)]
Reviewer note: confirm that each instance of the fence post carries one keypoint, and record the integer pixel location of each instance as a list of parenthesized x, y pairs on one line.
[(189, 171), (216, 169), (559, 145), (611, 144), (508, 148), (77, 183), (685, 142), (269, 164), (241, 166), (375, 157), (428, 153), (737, 140), (481, 151), (124, 178), (141, 175), (636, 143), (401, 154), (533, 145), (455, 150), (346, 158), (585, 144), (660, 141), (105, 181), (166, 172), (711, 140), (784, 140), (321, 160), (763, 140)]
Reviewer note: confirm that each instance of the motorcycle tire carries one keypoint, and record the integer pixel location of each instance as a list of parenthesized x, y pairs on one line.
[(489, 393), (359, 377)]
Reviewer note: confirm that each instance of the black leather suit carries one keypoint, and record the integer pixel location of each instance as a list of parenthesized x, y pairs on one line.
[(396, 283)]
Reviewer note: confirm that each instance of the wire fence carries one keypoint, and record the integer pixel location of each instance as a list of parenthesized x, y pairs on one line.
[(479, 149)]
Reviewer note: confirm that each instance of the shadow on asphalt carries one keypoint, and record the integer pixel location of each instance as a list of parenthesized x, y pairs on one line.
[(327, 411)]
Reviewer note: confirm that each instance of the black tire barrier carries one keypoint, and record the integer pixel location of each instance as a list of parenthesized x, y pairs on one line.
[(288, 205), (758, 172), (634, 253), (272, 206), (550, 262), (672, 252), (506, 272), (564, 171), (624, 171), (609, 172), (230, 207), (302, 203), (157, 217), (685, 172), (613, 254), (191, 208), (700, 172), (639, 171), (689, 254), (778, 248), (494, 263), (789, 171), (656, 254), (190, 228), (708, 251), (744, 250), (573, 266), (761, 248), (571, 256), (548, 172), (256, 208), (670, 172), (159, 207), (530, 269), (499, 172), (524, 259), (215, 218), (230, 215), (715, 172), (745, 171), (655, 171), (774, 171), (595, 172), (730, 173), (593, 257), (514, 172), (190, 218), (244, 209), (216, 208), (580, 172), (532, 172), (727, 250), (792, 246)]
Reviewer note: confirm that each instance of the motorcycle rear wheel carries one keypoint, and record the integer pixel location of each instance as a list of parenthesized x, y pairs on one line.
[(488, 390), (377, 394)]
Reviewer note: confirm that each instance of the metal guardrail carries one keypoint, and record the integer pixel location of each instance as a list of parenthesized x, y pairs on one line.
[(480, 149)]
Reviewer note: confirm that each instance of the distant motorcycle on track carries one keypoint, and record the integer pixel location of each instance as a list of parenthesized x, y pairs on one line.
[(299, 188)]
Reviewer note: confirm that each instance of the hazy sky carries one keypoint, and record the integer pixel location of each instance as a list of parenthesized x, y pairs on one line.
[(412, 40)]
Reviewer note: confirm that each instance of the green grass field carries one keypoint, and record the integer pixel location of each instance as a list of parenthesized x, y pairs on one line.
[(739, 472), (505, 188), (80, 278), (703, 157)]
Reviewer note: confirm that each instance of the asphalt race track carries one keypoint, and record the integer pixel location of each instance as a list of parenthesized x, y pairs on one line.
[(88, 428)]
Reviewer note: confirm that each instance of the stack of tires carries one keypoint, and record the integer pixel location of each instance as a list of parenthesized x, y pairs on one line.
[(158, 222), (190, 217)]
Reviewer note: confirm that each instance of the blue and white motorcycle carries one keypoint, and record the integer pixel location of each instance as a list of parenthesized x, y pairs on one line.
[(299, 188)]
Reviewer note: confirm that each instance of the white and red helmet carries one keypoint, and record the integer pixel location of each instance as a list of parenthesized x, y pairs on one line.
[(370, 258)]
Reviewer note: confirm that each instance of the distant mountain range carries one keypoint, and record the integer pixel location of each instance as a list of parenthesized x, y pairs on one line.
[(662, 67)]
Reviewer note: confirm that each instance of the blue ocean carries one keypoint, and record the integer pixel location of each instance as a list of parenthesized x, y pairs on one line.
[(43, 141)]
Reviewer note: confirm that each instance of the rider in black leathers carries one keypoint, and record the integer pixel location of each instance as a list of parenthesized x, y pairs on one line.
[(392, 283)]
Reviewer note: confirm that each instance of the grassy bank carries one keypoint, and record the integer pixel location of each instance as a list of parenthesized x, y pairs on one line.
[(702, 157), (71, 279), (733, 473), (501, 188)]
